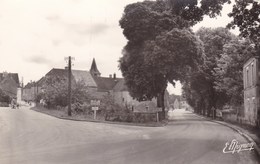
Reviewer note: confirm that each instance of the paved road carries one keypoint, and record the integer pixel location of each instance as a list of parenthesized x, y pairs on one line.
[(28, 137)]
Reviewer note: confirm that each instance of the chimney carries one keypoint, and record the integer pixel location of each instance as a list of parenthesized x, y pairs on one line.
[(114, 76), (66, 68), (5, 74), (110, 76)]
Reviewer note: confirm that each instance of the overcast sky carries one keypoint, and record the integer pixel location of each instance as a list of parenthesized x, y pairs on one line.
[(36, 35)]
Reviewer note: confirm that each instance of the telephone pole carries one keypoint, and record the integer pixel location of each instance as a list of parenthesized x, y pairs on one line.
[(69, 87), (69, 84)]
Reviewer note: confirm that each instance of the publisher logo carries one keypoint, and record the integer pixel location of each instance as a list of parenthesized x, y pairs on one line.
[(234, 146)]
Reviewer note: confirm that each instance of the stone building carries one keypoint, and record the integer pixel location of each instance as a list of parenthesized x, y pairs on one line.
[(30, 91), (98, 86), (251, 91)]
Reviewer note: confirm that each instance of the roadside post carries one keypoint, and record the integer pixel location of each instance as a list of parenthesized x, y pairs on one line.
[(213, 112), (95, 104), (159, 109)]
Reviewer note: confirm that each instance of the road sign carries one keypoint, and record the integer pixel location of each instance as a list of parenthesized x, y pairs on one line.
[(95, 102), (94, 108)]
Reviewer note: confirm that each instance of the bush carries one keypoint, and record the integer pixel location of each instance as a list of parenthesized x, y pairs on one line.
[(56, 93), (4, 104), (79, 108), (4, 98)]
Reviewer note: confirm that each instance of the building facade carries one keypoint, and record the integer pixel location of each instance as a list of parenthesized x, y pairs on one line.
[(251, 91), (98, 86)]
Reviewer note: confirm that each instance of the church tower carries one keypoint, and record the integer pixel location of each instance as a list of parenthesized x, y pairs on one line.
[(93, 70)]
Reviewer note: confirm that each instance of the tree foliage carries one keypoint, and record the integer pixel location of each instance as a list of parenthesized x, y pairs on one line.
[(246, 17), (161, 48), (229, 71), (4, 97), (193, 11), (56, 92), (199, 87)]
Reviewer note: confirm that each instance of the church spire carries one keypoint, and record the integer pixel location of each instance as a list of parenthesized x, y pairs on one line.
[(93, 70)]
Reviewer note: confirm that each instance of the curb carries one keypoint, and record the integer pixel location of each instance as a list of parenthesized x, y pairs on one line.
[(247, 137), (162, 124)]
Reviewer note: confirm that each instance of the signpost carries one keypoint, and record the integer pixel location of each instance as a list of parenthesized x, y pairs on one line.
[(213, 112), (95, 104), (157, 113)]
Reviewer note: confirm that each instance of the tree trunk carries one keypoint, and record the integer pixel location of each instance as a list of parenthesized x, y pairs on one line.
[(160, 104), (163, 105)]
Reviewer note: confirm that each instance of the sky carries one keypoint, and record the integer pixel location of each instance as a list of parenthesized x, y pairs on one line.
[(37, 35)]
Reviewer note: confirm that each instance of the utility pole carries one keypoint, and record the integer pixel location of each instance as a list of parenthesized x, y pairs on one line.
[(69, 87), (69, 84)]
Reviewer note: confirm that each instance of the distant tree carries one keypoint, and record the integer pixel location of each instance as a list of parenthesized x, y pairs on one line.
[(245, 16), (173, 97), (229, 70), (203, 82)]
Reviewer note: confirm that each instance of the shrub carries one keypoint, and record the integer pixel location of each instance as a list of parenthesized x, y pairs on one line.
[(56, 93), (4, 104), (4, 98)]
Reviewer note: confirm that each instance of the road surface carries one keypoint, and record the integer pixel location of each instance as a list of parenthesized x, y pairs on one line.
[(29, 137)]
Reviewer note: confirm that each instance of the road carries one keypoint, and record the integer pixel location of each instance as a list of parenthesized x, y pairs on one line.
[(29, 137)]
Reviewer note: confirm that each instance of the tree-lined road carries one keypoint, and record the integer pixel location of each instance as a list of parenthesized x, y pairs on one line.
[(28, 137)]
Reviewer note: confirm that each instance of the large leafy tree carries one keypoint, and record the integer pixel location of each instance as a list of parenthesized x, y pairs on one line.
[(193, 11), (160, 47), (203, 82), (246, 17), (229, 70)]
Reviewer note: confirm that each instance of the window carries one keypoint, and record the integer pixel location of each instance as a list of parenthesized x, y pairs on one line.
[(254, 105), (252, 74), (247, 77)]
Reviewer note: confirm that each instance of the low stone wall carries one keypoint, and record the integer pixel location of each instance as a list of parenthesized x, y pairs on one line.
[(4, 104), (132, 117), (235, 118), (232, 117)]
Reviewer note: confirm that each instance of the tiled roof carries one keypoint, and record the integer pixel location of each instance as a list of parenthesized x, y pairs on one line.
[(77, 75), (120, 86), (105, 84), (40, 82), (30, 84), (9, 85), (14, 76), (84, 76), (58, 72)]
